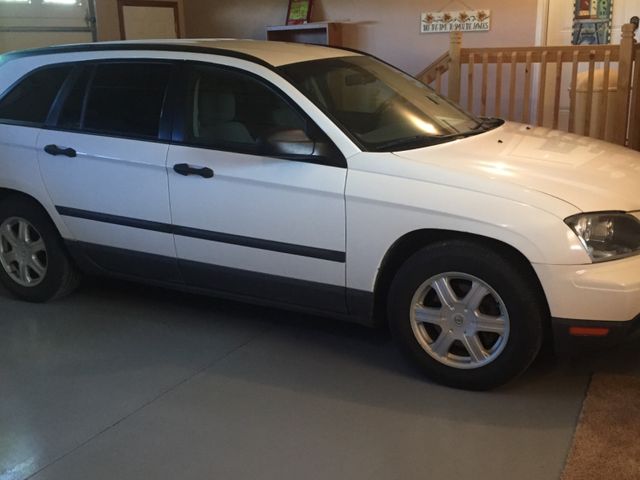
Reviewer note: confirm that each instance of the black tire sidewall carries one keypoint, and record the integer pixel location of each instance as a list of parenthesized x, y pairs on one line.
[(515, 289), (58, 264)]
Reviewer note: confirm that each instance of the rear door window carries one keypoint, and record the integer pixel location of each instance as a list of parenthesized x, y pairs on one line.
[(30, 100), (120, 99)]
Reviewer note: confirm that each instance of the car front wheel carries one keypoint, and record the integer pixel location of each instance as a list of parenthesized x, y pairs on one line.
[(466, 315)]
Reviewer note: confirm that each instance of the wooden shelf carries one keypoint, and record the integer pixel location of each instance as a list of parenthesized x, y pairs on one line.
[(323, 33)]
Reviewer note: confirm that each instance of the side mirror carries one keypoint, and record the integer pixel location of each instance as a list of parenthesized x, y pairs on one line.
[(289, 142), (295, 144)]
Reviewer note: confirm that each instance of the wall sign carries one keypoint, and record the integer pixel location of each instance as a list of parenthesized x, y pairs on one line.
[(464, 21)]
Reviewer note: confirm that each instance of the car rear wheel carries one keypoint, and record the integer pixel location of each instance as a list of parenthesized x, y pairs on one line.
[(466, 315), (34, 265)]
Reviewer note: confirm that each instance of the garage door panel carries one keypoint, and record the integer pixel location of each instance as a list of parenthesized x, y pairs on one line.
[(68, 17), (38, 25), (21, 40)]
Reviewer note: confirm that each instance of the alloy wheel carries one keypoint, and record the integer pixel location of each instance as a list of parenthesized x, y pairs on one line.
[(23, 254), (459, 320)]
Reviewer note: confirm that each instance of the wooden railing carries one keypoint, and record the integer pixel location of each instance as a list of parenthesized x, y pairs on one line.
[(434, 72), (530, 84)]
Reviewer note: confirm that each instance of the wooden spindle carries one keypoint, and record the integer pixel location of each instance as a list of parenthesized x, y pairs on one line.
[(498, 99), (528, 74), (556, 98), (542, 89), (604, 101), (589, 106), (485, 81), (455, 45), (470, 74), (512, 86), (574, 84)]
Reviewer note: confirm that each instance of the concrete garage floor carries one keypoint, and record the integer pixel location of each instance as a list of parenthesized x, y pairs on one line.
[(121, 381)]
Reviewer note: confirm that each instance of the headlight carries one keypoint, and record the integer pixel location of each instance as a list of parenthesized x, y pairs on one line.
[(607, 235)]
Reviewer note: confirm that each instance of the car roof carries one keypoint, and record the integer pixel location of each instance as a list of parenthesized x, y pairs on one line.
[(276, 53), (273, 54)]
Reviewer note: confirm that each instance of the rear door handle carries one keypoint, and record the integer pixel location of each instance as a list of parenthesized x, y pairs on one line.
[(186, 169), (56, 150)]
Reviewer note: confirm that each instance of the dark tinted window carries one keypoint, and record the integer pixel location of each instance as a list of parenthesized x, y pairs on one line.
[(31, 99), (126, 99), (71, 114), (229, 108)]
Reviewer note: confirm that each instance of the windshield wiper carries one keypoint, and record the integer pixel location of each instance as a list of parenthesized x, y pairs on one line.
[(488, 123), (417, 141)]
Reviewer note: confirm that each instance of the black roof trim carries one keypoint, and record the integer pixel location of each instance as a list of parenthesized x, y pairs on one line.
[(108, 47)]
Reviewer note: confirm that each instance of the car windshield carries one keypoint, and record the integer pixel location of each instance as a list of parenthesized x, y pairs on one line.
[(379, 107)]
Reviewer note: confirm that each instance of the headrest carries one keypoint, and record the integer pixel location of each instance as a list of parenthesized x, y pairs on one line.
[(216, 107)]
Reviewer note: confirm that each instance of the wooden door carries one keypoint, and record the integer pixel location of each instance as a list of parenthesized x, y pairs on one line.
[(142, 19)]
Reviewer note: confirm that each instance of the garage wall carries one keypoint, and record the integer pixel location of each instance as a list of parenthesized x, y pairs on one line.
[(109, 26), (387, 29)]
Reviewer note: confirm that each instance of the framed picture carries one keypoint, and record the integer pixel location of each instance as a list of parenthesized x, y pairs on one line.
[(592, 22), (299, 12)]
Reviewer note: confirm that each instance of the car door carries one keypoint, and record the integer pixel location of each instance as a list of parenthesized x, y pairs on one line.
[(103, 158), (255, 212), (24, 107)]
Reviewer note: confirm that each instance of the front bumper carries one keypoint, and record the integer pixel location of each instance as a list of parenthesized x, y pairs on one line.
[(594, 305), (579, 336), (607, 291)]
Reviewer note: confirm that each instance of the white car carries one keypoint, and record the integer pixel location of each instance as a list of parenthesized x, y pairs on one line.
[(319, 179)]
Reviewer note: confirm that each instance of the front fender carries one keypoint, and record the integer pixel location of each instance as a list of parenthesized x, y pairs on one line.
[(382, 208)]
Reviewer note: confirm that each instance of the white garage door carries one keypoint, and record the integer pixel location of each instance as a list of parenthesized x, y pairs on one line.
[(38, 23)]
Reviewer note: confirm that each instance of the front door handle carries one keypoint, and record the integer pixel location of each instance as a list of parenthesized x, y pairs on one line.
[(56, 150), (186, 169)]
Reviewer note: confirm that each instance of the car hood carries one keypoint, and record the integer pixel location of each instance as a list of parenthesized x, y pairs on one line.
[(591, 175)]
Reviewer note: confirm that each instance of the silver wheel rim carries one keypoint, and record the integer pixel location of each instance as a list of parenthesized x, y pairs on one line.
[(23, 254), (459, 320)]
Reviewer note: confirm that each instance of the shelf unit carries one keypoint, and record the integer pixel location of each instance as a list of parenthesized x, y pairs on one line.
[(323, 33)]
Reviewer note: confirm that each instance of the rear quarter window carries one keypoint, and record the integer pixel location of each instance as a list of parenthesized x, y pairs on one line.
[(30, 99)]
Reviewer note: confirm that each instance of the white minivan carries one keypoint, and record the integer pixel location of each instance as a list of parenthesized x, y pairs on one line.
[(319, 179)]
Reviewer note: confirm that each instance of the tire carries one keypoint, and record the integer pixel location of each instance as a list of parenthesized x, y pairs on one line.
[(34, 266), (466, 315)]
